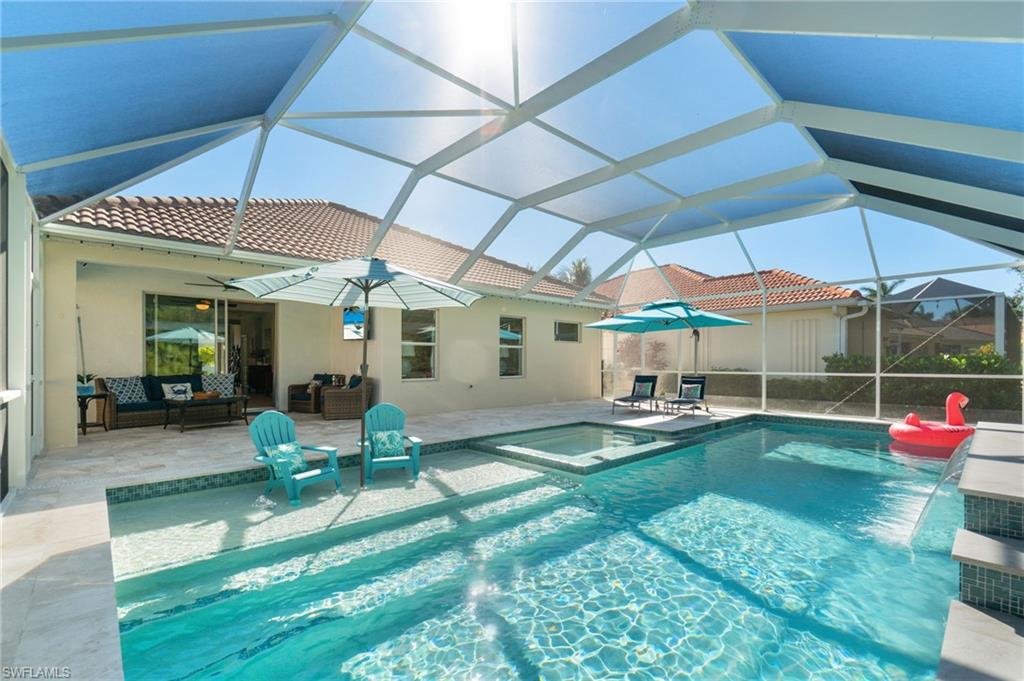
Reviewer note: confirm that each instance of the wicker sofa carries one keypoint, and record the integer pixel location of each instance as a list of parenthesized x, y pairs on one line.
[(151, 411), (342, 402)]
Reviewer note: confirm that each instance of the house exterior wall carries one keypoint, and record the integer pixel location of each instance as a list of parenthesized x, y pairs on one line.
[(109, 290), (467, 360), (797, 340)]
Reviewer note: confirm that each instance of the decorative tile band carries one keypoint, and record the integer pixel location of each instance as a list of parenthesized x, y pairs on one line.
[(992, 589), (1000, 517), (149, 490)]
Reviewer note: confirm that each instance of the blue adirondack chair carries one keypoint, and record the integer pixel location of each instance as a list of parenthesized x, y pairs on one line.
[(388, 419), (272, 428)]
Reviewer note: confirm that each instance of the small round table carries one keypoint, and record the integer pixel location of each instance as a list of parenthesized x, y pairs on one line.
[(83, 411)]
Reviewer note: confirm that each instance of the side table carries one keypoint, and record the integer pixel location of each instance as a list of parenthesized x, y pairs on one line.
[(83, 411)]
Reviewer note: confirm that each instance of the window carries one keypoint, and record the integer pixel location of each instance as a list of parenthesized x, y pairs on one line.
[(182, 335), (567, 332), (510, 346), (419, 344)]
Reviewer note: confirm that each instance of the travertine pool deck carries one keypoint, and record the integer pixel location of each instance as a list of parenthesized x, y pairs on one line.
[(57, 572)]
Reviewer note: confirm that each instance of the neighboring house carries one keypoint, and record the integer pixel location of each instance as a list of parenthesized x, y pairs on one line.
[(136, 267), (940, 316), (803, 325), (943, 316)]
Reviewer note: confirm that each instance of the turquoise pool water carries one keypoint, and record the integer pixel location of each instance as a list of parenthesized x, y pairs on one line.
[(765, 552), (575, 440)]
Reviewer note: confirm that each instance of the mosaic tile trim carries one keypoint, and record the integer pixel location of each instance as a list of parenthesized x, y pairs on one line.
[(869, 426), (992, 589), (150, 490), (1000, 517)]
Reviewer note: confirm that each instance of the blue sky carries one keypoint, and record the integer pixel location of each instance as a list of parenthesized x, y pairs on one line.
[(687, 86)]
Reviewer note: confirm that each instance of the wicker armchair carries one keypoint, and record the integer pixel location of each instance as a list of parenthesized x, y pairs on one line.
[(303, 397), (338, 402)]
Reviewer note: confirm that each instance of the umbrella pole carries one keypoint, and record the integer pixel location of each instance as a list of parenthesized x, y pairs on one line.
[(696, 348), (362, 387)]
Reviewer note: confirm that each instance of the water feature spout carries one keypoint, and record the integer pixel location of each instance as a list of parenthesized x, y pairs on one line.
[(950, 475)]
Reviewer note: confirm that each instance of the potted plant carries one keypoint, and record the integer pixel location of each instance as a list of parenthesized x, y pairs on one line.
[(86, 385)]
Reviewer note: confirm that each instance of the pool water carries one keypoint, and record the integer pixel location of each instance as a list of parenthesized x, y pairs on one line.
[(576, 440), (764, 552), (585, 445)]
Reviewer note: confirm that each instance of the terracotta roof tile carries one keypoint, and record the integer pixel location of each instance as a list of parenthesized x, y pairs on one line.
[(312, 229), (647, 285)]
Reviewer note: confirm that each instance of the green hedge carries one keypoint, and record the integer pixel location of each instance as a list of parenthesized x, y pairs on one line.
[(984, 393)]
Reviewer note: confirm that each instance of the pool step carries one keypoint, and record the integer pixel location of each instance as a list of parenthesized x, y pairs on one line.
[(991, 552), (981, 645)]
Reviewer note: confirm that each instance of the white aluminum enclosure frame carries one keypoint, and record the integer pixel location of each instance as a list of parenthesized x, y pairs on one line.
[(763, 291)]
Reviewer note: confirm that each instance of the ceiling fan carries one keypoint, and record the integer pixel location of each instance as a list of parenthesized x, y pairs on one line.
[(219, 283)]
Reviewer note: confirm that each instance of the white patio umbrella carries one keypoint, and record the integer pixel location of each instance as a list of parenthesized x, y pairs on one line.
[(374, 282)]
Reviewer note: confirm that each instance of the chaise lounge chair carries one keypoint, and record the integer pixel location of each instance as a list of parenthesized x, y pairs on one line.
[(643, 391), (691, 394), (273, 433), (385, 442)]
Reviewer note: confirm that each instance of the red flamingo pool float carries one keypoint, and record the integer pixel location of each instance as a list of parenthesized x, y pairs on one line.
[(914, 431)]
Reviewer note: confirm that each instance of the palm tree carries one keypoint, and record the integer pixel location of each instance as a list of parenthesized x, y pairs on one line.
[(887, 288), (577, 272)]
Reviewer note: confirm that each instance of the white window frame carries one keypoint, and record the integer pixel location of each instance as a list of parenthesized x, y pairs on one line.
[(521, 347), (579, 331), (434, 344)]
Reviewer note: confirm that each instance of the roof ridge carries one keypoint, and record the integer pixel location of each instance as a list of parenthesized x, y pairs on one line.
[(687, 269), (232, 202)]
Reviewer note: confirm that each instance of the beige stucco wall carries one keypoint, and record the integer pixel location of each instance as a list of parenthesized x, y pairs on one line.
[(109, 289), (467, 361), (797, 340)]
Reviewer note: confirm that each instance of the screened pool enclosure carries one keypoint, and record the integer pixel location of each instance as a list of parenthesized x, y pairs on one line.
[(860, 144)]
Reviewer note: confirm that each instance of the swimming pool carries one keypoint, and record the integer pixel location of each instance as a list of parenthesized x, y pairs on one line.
[(761, 552), (584, 447)]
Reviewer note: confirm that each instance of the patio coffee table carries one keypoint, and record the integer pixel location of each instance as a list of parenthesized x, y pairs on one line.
[(227, 402)]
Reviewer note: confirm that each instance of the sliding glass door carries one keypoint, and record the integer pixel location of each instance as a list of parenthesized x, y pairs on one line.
[(184, 335)]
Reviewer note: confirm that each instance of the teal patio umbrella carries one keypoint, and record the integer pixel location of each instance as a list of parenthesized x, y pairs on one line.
[(370, 281), (667, 315), (189, 335)]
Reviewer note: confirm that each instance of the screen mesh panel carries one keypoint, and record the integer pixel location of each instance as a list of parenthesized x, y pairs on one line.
[(44, 18), (98, 174), (102, 95), (472, 40), (608, 199), (980, 83), (409, 139), (351, 80), (523, 161), (369, 185), (765, 150), (988, 173), (450, 211), (820, 185), (689, 85), (531, 238), (548, 52)]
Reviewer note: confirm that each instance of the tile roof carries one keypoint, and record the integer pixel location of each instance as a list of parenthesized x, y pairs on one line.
[(312, 229), (647, 285)]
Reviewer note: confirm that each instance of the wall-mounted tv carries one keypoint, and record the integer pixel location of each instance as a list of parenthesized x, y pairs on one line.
[(355, 321)]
